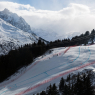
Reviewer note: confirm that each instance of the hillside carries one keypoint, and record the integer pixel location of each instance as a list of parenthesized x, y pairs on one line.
[(49, 68)]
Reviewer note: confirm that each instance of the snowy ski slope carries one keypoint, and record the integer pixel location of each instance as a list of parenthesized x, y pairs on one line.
[(49, 68)]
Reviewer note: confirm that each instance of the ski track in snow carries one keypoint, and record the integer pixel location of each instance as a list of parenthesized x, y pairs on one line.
[(34, 65), (49, 70), (31, 67), (53, 77), (58, 75)]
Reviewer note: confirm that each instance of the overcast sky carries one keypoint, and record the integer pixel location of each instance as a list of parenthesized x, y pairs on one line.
[(65, 17)]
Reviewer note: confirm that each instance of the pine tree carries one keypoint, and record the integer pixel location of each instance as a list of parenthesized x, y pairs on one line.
[(49, 90), (65, 91), (72, 89), (43, 93), (78, 86), (86, 37), (61, 85), (39, 42), (92, 35), (54, 90), (88, 89)]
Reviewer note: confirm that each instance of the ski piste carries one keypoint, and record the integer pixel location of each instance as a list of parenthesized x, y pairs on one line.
[(49, 69)]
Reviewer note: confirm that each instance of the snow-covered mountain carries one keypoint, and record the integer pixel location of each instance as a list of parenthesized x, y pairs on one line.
[(19, 22), (15, 20), (47, 35), (51, 35), (11, 37), (14, 32)]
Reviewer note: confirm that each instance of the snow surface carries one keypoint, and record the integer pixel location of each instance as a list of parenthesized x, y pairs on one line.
[(43, 71)]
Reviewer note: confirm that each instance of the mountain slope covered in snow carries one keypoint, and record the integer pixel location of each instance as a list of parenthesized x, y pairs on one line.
[(47, 35), (49, 68), (14, 32), (15, 20), (12, 37)]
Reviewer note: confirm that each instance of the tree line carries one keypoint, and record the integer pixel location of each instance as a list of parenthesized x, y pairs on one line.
[(76, 84), (76, 40)]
